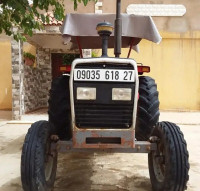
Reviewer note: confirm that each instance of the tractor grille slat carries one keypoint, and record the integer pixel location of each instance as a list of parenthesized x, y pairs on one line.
[(94, 116), (103, 116)]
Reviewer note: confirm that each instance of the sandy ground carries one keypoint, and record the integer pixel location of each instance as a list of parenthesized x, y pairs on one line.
[(104, 172)]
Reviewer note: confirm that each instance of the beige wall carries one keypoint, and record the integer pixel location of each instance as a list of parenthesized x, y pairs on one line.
[(5, 75), (6, 72), (69, 7), (190, 21), (175, 65)]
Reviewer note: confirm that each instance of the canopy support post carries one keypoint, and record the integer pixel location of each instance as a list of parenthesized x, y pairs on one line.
[(131, 46), (79, 46)]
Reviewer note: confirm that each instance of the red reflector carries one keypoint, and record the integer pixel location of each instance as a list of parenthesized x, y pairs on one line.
[(65, 68), (142, 69)]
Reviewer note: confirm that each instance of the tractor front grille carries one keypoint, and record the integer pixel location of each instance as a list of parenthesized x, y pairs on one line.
[(103, 116), (103, 112)]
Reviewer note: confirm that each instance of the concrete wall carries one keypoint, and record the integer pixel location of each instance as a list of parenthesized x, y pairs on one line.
[(169, 24), (175, 62), (69, 7), (175, 67), (5, 74)]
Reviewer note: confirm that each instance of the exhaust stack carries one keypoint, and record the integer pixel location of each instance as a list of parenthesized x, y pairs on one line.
[(118, 30), (104, 30)]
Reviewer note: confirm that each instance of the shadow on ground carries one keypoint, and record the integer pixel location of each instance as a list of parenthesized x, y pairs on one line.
[(80, 172), (88, 171)]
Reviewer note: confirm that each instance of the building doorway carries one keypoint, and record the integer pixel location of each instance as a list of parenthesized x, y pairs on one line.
[(58, 60)]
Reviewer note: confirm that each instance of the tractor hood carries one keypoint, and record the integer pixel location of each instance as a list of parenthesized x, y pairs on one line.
[(81, 28)]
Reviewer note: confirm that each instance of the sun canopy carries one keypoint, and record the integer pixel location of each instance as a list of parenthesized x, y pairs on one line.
[(82, 27)]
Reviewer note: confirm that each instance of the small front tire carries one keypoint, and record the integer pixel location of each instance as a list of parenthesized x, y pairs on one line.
[(168, 165), (38, 165)]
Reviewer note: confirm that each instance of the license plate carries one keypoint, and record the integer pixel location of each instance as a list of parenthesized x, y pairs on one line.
[(104, 75)]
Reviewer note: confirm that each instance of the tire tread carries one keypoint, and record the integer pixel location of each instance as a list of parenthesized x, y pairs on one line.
[(148, 108)]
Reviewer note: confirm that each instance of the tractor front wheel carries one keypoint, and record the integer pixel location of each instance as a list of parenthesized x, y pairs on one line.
[(38, 163), (168, 165)]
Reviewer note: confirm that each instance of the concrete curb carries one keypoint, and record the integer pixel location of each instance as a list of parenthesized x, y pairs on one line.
[(31, 122), (20, 122), (3, 123)]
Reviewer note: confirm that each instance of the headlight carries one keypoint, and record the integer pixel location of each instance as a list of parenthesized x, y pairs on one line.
[(85, 93), (121, 94)]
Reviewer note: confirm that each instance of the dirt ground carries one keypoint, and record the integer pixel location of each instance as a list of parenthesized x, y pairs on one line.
[(103, 172)]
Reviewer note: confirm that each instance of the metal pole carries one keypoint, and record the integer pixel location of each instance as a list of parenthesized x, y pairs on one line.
[(118, 29), (105, 46)]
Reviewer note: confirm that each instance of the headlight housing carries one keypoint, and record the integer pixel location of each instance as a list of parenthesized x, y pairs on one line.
[(86, 93), (121, 94)]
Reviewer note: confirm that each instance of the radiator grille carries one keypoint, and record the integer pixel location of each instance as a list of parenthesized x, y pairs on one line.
[(103, 116), (103, 112)]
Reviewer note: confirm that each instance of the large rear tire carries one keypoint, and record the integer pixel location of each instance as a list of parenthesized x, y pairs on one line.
[(59, 108), (38, 164), (168, 165), (148, 108)]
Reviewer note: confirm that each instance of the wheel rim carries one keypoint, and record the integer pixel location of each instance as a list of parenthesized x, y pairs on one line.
[(49, 159), (159, 163)]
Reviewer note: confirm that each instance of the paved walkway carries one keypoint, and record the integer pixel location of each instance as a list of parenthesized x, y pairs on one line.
[(5, 116), (181, 118)]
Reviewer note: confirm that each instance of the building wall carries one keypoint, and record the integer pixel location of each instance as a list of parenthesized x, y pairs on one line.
[(37, 81), (175, 67), (31, 49), (69, 7), (5, 74), (175, 61), (170, 24)]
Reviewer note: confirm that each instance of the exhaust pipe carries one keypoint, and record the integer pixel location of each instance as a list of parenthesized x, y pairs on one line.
[(104, 30), (118, 30)]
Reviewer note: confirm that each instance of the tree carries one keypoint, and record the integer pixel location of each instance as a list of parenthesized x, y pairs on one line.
[(22, 15)]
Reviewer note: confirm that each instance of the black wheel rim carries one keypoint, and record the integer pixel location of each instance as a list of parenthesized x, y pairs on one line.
[(49, 160), (159, 162)]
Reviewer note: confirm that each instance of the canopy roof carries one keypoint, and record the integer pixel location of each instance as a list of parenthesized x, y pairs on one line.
[(83, 26)]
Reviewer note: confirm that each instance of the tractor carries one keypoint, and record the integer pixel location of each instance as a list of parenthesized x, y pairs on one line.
[(105, 104)]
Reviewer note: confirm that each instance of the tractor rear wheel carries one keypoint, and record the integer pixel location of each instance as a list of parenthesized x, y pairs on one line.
[(148, 108), (168, 165), (59, 108), (38, 163)]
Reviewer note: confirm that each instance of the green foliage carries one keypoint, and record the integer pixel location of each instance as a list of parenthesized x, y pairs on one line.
[(69, 58), (85, 2), (94, 54), (21, 15), (29, 55)]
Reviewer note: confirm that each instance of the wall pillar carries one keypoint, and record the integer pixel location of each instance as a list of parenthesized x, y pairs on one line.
[(44, 62), (37, 81), (17, 79)]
